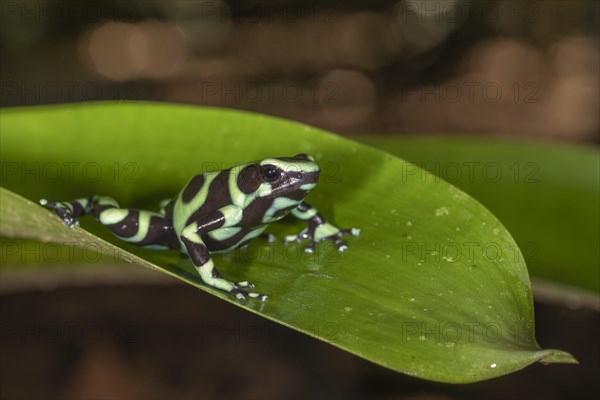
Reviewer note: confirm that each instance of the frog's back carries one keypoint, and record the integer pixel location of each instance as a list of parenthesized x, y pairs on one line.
[(202, 194)]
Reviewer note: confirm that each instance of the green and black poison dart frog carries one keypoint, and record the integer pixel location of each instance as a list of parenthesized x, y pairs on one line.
[(218, 212)]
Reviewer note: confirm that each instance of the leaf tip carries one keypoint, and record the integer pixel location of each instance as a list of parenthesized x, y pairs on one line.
[(553, 356)]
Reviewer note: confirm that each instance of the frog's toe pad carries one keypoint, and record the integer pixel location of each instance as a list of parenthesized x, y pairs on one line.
[(341, 245), (240, 294), (302, 236), (72, 222), (245, 284), (310, 248), (337, 238), (261, 297), (351, 231)]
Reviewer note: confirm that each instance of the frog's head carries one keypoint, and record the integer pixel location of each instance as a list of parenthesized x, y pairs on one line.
[(291, 177)]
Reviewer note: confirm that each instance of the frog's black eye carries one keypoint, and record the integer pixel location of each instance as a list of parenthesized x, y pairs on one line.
[(270, 173)]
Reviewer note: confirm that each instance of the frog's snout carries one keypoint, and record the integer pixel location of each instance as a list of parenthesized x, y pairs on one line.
[(307, 176)]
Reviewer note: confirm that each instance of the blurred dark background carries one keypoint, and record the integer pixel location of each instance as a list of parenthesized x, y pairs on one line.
[(514, 67), (172, 341), (526, 69)]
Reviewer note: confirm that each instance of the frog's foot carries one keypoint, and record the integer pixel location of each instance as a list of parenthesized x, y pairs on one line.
[(337, 238), (63, 211), (325, 231), (244, 284), (299, 238), (240, 292)]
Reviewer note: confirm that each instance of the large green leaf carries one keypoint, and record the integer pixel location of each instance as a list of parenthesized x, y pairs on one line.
[(435, 287), (547, 195)]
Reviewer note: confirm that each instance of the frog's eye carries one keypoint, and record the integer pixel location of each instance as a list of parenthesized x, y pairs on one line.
[(270, 173)]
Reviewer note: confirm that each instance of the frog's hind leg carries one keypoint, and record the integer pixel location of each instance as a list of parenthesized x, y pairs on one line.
[(140, 227)]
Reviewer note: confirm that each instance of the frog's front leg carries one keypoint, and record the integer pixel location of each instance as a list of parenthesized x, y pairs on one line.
[(318, 229), (200, 256)]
